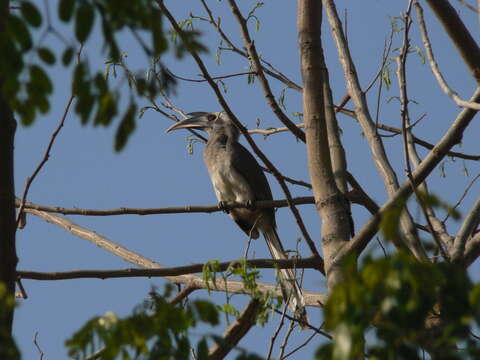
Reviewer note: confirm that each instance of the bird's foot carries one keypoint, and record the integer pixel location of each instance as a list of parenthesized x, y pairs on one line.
[(249, 204), (222, 205)]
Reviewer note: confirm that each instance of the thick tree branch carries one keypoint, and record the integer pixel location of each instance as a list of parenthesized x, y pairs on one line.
[(236, 331), (232, 286), (8, 254), (458, 32), (363, 115), (331, 204)]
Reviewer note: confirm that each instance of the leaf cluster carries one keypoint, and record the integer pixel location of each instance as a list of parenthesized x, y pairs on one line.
[(8, 348), (412, 305), (155, 330)]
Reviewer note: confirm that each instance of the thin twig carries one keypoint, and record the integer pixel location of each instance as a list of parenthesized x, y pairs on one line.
[(406, 130), (273, 338), (40, 352), (44, 160), (187, 290), (305, 343), (285, 340), (255, 60), (213, 77), (459, 201)]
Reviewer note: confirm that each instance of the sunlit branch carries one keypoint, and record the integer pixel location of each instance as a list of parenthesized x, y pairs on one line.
[(232, 286)]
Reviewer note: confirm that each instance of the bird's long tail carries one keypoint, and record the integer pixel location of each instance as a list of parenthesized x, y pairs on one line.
[(290, 288)]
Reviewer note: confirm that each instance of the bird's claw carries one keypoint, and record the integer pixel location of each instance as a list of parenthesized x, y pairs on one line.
[(249, 204), (222, 205)]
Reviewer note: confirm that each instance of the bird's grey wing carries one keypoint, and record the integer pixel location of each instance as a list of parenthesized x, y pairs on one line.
[(246, 165)]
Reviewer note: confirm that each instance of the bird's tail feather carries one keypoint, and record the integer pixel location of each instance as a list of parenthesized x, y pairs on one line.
[(292, 293)]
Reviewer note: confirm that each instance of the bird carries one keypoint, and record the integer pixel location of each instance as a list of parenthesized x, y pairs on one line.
[(236, 176)]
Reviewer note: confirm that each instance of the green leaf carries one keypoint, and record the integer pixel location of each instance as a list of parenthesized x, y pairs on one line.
[(84, 21), (46, 55), (42, 81), (202, 350), (207, 312), (19, 32), (66, 9), (67, 56), (126, 127), (31, 13)]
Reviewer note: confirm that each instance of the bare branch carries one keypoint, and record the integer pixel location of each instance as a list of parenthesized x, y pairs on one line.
[(236, 331), (410, 151), (376, 146), (472, 250), (434, 157), (232, 286), (44, 160), (39, 349), (330, 202), (434, 66), (254, 58), (468, 6), (458, 32), (166, 210), (308, 263), (273, 73), (213, 77), (468, 227), (465, 192)]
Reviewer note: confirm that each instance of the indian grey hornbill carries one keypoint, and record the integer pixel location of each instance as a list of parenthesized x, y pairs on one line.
[(237, 177)]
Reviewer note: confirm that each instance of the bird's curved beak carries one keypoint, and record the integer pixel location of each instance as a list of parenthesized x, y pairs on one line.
[(196, 122)]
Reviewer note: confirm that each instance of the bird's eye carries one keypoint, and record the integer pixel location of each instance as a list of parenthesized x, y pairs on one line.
[(211, 117)]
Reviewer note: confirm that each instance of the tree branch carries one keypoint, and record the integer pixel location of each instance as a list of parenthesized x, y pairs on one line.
[(236, 331), (458, 32), (452, 137), (232, 286), (376, 146), (45, 158), (468, 227), (254, 58), (308, 263), (8, 253), (331, 204), (434, 66), (166, 210)]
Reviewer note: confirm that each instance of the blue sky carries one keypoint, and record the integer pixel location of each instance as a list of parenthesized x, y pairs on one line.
[(156, 170)]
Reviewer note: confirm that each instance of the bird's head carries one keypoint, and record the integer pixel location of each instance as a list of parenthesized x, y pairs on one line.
[(210, 122)]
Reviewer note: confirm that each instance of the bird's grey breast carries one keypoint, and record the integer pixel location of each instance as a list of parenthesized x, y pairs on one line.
[(228, 183)]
